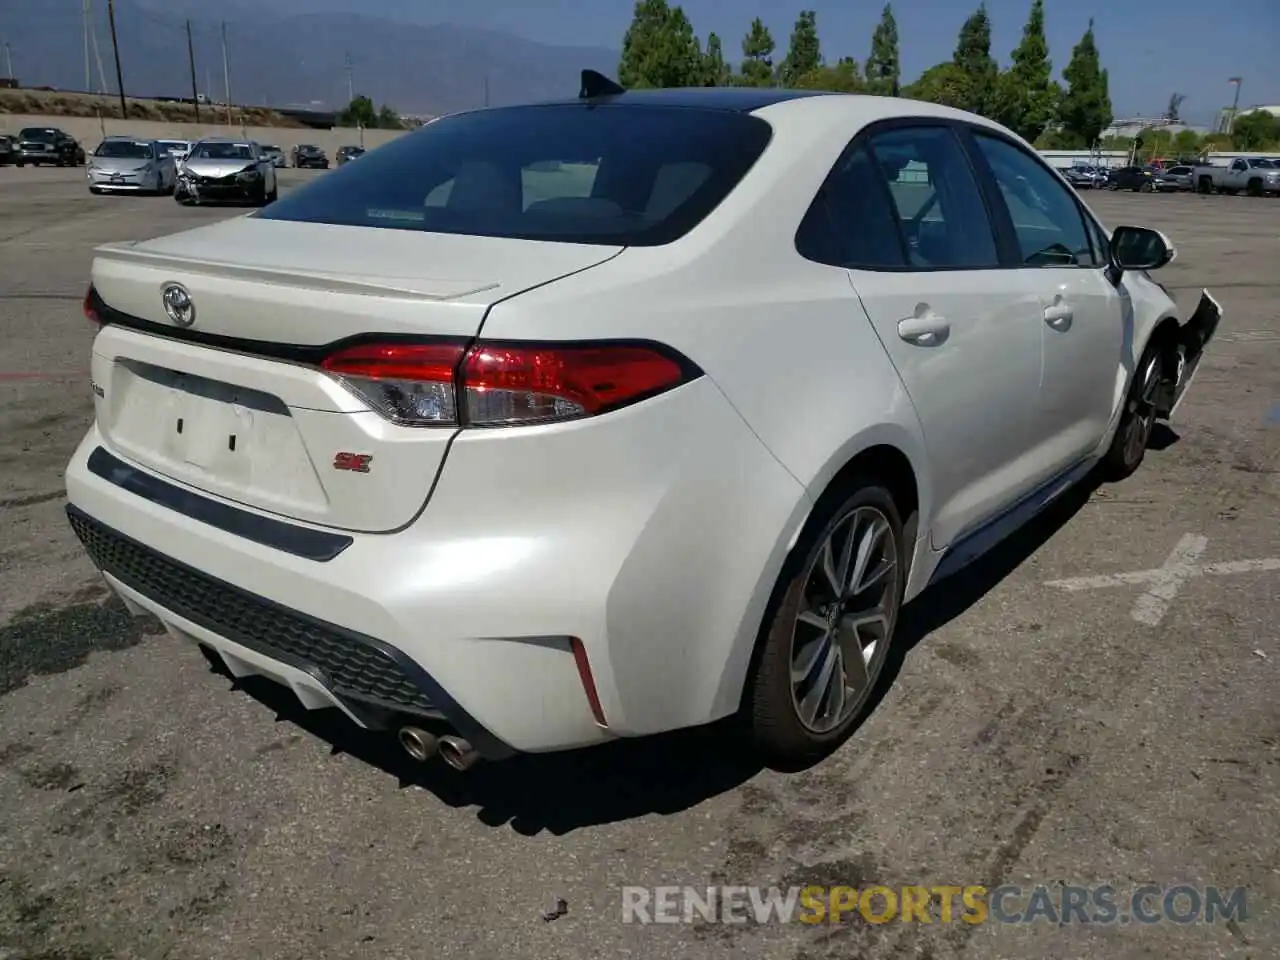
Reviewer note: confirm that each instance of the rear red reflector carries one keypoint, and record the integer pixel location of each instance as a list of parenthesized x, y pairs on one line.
[(89, 306), (588, 681), (502, 383)]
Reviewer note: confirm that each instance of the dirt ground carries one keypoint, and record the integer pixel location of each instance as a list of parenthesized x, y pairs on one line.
[(1034, 734)]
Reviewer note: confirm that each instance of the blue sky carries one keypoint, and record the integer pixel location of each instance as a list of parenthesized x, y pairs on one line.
[(1150, 49)]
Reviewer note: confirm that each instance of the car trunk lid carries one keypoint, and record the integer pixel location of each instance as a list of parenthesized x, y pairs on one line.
[(234, 404)]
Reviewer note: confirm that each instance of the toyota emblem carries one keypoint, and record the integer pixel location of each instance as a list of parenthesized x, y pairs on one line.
[(178, 304)]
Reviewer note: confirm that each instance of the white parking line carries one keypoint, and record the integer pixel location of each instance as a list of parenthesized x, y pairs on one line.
[(1165, 581)]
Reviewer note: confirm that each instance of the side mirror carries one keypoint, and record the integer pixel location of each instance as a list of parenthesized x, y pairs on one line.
[(1139, 248)]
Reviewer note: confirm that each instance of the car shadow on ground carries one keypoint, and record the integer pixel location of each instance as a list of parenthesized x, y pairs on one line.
[(559, 793)]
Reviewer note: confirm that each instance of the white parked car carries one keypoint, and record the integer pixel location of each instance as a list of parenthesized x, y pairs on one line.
[(543, 426)]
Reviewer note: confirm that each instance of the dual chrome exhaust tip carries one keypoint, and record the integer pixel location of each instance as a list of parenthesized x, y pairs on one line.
[(422, 745)]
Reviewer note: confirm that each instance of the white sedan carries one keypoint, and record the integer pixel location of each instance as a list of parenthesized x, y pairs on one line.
[(544, 426)]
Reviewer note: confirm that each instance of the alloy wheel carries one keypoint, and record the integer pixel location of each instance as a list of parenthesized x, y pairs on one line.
[(847, 610), (1140, 417)]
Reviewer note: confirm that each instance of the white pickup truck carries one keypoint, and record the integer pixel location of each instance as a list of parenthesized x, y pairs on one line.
[(1253, 175)]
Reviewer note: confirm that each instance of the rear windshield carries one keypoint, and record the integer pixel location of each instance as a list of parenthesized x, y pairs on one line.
[(125, 149), (615, 174), (174, 144), (38, 133), (222, 151)]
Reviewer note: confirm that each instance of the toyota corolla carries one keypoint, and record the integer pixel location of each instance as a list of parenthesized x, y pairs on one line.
[(548, 425)]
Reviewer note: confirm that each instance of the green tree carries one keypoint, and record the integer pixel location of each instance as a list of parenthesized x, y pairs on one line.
[(1026, 97), (1255, 130), (359, 113), (388, 118), (978, 69), (1188, 143), (1085, 110), (842, 77), (659, 48), (757, 56), (805, 54), (715, 72), (945, 83), (883, 70)]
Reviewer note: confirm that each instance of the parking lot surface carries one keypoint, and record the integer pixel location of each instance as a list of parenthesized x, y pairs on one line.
[(1043, 728)]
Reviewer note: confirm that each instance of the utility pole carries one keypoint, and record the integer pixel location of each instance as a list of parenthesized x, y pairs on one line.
[(486, 89), (111, 16), (191, 59), (8, 57), (351, 87), (88, 76), (1235, 104), (226, 71)]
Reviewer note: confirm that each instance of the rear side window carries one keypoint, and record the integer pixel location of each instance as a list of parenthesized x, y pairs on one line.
[(852, 222), (936, 198), (613, 174)]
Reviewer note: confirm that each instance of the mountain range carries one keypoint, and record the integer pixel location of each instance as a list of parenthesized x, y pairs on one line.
[(294, 53)]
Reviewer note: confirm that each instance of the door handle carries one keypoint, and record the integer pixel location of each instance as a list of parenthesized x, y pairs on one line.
[(925, 330), (1059, 316)]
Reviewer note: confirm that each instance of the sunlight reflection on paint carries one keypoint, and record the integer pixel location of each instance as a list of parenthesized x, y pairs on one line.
[(470, 561)]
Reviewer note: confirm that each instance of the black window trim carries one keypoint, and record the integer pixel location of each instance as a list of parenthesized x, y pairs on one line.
[(1008, 250)]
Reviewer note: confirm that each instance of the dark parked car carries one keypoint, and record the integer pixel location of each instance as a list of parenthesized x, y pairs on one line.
[(306, 155), (346, 154), (1137, 179), (8, 150), (1083, 176), (37, 145)]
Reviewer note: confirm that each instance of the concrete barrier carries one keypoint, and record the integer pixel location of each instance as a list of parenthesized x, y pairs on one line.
[(90, 131)]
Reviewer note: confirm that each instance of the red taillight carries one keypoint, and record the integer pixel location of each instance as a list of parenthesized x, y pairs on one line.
[(409, 383), (503, 384), (527, 383)]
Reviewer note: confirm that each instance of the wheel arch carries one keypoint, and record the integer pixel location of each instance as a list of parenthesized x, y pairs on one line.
[(888, 454)]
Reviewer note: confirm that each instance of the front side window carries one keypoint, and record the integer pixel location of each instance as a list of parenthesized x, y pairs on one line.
[(612, 174), (1046, 219), (936, 198)]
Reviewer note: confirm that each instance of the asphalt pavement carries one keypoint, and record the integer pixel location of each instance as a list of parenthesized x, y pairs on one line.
[(1049, 724)]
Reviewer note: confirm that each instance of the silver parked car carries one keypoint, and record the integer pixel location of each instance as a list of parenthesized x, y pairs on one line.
[(275, 155), (1180, 177), (224, 170), (131, 164)]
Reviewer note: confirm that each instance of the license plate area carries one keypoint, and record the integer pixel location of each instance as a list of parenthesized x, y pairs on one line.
[(226, 439)]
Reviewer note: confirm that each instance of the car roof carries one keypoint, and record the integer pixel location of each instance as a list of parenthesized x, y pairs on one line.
[(736, 99), (858, 109)]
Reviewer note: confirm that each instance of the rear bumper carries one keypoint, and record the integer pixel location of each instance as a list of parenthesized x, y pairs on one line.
[(652, 536)]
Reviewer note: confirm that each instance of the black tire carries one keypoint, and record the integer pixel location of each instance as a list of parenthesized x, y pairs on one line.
[(1147, 187), (769, 709), (1133, 433), (21, 164), (1255, 187), (274, 195)]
